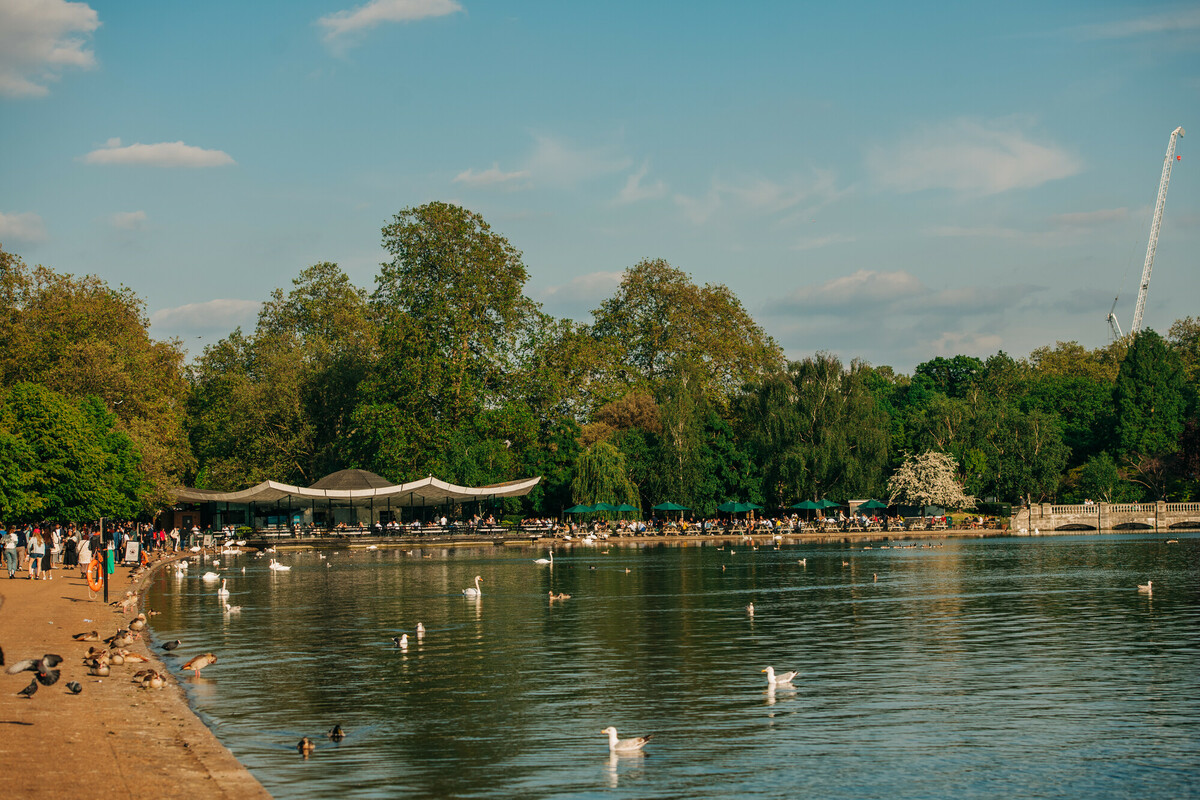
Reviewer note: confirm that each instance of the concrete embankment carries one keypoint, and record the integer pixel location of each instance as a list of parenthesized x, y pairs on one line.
[(113, 739)]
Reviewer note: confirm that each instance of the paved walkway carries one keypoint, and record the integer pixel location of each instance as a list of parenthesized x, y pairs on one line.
[(113, 740)]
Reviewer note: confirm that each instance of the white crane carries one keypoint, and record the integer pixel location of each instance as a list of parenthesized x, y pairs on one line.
[(1155, 225)]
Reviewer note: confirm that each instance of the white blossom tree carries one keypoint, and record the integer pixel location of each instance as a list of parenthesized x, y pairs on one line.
[(929, 479)]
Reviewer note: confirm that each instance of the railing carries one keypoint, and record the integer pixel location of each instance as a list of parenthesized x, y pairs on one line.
[(1133, 508)]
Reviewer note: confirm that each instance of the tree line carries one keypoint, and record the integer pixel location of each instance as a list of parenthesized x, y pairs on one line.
[(445, 366)]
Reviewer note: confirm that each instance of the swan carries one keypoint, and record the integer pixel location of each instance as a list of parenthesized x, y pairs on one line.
[(782, 679), (210, 576), (474, 591), (1146, 587), (222, 592), (624, 745), (232, 609), (275, 565), (549, 560), (803, 562)]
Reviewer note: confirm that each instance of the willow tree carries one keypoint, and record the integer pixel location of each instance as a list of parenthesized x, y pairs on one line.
[(600, 477)]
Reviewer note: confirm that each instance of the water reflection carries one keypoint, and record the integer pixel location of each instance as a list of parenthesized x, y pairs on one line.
[(980, 668)]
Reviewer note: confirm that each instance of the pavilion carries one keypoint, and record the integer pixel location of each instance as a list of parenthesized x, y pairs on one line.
[(351, 497)]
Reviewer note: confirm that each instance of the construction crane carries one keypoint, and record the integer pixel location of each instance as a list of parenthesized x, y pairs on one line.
[(1155, 225)]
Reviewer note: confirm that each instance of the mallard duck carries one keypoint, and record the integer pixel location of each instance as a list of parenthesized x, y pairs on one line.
[(336, 733), (305, 747)]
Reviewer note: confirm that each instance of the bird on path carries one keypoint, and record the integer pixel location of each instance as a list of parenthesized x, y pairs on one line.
[(89, 636), (138, 623), (616, 745), (169, 646), (74, 687), (43, 668), (29, 690), (200, 662), (782, 679)]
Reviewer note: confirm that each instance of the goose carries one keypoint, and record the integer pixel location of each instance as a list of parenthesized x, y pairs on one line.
[(200, 662), (210, 576), (1146, 587), (624, 745), (222, 592), (474, 591), (549, 560), (782, 679)]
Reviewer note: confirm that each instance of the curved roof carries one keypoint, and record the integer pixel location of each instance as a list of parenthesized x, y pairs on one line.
[(427, 491)]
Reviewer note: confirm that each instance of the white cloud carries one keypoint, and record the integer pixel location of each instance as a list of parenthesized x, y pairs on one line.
[(594, 286), (341, 26), (129, 220), (210, 315), (162, 154), (762, 195), (560, 163), (1169, 22), (494, 177), (39, 38), (26, 227), (862, 287), (633, 191), (970, 157)]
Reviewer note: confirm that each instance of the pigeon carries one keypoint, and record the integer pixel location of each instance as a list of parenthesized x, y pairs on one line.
[(44, 667), (336, 733), (169, 646), (74, 687), (200, 662), (29, 690)]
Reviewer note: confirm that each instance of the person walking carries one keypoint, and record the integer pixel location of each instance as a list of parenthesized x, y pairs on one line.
[(36, 547), (52, 544), (9, 539), (84, 553)]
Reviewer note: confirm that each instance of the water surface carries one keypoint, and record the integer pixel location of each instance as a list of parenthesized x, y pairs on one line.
[(973, 668)]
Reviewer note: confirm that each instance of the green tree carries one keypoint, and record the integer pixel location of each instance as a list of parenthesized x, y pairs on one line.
[(600, 477), (1148, 398)]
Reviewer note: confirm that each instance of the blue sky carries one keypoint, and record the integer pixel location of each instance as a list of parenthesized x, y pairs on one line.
[(885, 181)]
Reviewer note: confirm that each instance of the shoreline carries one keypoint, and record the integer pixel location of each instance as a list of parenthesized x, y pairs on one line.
[(113, 739)]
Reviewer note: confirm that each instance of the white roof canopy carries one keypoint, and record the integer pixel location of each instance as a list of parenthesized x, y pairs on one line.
[(425, 492)]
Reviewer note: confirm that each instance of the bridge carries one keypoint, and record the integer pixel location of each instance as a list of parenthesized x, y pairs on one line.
[(1158, 516)]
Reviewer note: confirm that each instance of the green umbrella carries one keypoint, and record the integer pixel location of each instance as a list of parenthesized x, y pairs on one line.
[(825, 502), (807, 505), (626, 507), (605, 507), (580, 509), (733, 507), (871, 505), (670, 507)]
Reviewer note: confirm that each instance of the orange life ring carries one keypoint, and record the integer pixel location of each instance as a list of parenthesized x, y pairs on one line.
[(94, 579)]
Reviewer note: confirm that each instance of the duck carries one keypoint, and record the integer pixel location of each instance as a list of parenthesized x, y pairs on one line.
[(200, 662), (549, 560), (1147, 587), (89, 636), (616, 745), (336, 733), (781, 679), (474, 591), (305, 747)]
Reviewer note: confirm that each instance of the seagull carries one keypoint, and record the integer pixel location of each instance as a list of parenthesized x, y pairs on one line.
[(782, 679), (803, 562), (474, 591), (1146, 588), (750, 609), (401, 641), (624, 745), (549, 560), (420, 630)]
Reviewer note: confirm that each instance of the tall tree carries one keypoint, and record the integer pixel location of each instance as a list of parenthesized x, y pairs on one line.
[(1148, 398)]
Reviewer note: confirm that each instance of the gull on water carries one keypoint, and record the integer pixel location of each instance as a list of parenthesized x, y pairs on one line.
[(625, 745), (750, 609), (1147, 587), (782, 679)]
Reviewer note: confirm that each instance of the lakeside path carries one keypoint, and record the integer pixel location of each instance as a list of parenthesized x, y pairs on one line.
[(114, 739)]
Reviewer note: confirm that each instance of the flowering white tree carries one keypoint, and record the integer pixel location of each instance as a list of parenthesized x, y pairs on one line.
[(929, 479)]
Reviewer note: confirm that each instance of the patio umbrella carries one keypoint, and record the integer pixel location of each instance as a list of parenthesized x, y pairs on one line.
[(605, 507), (807, 505), (733, 507), (626, 507), (871, 505), (670, 507), (580, 509), (825, 502)]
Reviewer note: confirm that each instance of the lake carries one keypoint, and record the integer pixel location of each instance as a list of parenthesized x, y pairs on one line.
[(958, 668)]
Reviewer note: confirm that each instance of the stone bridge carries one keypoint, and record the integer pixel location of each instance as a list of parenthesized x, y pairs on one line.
[(1105, 517)]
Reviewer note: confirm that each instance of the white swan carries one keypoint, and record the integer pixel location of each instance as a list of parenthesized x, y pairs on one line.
[(782, 679), (232, 609), (275, 565), (222, 592), (210, 576), (475, 591), (624, 745), (549, 560)]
